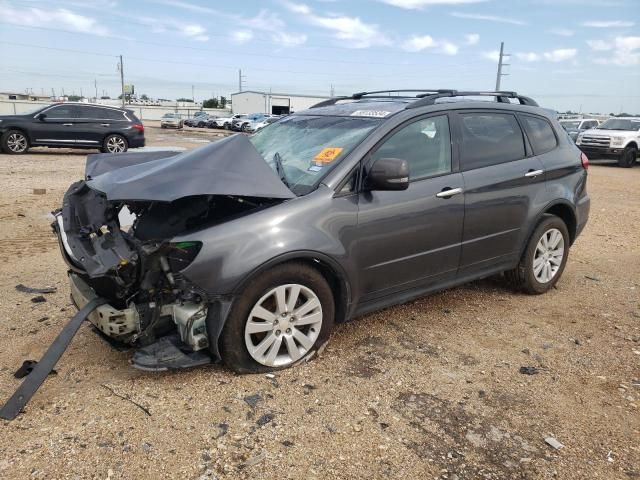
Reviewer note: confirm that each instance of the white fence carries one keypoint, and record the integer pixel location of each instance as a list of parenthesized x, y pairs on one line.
[(143, 112)]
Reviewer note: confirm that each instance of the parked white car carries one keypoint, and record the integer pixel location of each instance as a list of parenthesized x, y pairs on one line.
[(223, 122), (617, 138), (254, 126), (171, 120), (575, 127)]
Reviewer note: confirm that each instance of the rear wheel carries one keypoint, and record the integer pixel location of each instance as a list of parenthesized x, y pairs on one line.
[(283, 317), (114, 143), (14, 142), (544, 258), (628, 157)]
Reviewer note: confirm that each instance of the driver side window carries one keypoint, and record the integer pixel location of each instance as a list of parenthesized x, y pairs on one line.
[(425, 144), (62, 112)]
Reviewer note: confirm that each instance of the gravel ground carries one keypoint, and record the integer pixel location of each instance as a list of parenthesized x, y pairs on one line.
[(429, 389)]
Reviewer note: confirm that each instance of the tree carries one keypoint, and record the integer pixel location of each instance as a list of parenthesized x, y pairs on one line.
[(74, 98), (223, 102), (210, 103), (185, 100), (105, 97), (144, 97)]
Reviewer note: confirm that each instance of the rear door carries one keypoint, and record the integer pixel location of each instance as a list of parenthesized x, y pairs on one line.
[(95, 122), (410, 239), (502, 182)]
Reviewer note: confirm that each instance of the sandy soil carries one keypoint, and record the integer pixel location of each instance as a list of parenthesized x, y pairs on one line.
[(430, 389)]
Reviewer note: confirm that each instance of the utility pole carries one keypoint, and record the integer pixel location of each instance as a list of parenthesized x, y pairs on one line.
[(332, 92), (95, 84), (240, 79), (193, 95), (121, 67), (500, 65)]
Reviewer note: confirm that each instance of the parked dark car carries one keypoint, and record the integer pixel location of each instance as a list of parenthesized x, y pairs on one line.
[(75, 125), (258, 244)]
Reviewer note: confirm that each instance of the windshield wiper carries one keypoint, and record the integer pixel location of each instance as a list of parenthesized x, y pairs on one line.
[(280, 168)]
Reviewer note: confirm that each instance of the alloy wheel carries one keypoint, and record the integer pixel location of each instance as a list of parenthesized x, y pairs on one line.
[(115, 145), (17, 142), (548, 255), (283, 325)]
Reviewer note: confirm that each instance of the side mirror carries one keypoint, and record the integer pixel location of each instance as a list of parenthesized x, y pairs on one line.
[(388, 174), (41, 116)]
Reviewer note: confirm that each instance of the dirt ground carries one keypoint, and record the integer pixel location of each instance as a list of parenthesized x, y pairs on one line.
[(429, 389)]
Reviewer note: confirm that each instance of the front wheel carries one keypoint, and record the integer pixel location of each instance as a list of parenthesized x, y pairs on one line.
[(14, 142), (628, 157), (114, 143), (283, 317), (544, 258)]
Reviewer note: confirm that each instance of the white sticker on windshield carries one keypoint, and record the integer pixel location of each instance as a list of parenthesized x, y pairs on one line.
[(370, 113)]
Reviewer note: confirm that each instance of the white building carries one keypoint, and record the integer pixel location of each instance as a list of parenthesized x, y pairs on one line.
[(251, 101)]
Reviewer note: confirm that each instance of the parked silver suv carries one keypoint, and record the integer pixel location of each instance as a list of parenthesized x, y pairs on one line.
[(249, 249)]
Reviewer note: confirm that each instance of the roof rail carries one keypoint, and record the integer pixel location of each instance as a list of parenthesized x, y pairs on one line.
[(428, 96), (501, 97)]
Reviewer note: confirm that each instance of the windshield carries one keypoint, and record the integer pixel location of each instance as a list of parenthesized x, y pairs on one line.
[(620, 124), (302, 149), (170, 115), (570, 125)]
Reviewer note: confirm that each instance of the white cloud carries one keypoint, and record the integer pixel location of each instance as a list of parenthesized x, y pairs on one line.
[(493, 55), (59, 18), (416, 4), (560, 54), (241, 36), (599, 45), (289, 39), (563, 32), (271, 23), (608, 24), (418, 43), (488, 18), (351, 30), (528, 56), (625, 51), (471, 39)]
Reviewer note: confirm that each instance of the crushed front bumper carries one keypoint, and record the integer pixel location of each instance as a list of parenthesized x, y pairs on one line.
[(118, 324)]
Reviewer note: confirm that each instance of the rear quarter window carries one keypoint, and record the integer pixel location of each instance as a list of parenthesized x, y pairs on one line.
[(489, 138), (540, 134)]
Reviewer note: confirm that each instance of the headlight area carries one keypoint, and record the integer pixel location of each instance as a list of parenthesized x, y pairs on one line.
[(151, 304)]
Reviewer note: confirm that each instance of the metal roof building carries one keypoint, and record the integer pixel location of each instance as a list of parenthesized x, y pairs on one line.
[(250, 101)]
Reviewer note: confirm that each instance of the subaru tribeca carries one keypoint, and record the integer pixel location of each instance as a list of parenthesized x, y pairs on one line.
[(72, 125), (248, 250)]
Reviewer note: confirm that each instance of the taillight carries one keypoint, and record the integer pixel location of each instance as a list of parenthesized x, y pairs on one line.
[(585, 161), (138, 126)]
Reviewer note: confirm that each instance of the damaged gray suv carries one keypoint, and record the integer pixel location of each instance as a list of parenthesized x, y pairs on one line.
[(247, 250)]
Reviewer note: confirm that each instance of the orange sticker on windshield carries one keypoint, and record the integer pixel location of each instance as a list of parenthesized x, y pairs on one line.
[(328, 155)]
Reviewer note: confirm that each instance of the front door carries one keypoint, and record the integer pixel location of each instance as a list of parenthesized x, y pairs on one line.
[(57, 127), (411, 239)]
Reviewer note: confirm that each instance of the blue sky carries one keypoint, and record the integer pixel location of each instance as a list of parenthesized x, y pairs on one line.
[(568, 54)]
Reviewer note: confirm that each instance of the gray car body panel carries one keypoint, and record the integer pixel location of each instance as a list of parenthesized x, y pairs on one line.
[(389, 247)]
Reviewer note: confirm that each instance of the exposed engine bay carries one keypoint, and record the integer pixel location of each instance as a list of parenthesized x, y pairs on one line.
[(137, 268)]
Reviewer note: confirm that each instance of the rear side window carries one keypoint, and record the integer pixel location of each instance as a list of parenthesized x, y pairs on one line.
[(489, 139), (540, 134), (424, 144), (112, 114)]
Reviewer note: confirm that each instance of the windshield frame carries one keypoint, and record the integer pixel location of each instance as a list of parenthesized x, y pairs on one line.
[(309, 188)]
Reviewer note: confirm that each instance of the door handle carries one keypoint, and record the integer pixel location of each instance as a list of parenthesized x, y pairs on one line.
[(533, 173), (105, 124), (448, 192), (67, 124)]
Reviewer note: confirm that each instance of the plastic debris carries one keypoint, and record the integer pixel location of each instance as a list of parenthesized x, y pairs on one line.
[(529, 370), (24, 289), (553, 443)]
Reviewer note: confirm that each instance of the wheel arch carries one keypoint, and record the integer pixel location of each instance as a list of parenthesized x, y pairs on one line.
[(632, 144), (328, 267)]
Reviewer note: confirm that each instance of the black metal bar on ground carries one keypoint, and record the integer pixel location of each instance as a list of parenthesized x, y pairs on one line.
[(32, 382)]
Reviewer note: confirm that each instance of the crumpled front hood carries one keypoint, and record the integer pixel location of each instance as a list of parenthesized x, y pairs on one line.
[(227, 167)]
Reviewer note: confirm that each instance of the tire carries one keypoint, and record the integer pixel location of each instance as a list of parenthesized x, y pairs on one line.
[(245, 127), (14, 142), (535, 280), (163, 126), (114, 143), (227, 126), (235, 340), (628, 157)]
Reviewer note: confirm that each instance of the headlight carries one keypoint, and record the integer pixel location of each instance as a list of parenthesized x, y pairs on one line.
[(617, 140)]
